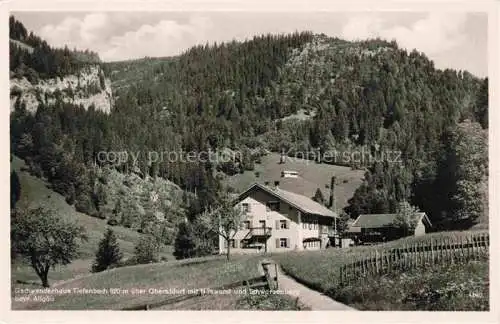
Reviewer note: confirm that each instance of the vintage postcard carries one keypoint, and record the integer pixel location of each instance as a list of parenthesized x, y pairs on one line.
[(274, 157)]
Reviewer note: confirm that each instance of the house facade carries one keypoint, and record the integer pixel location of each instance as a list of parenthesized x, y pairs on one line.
[(276, 220)]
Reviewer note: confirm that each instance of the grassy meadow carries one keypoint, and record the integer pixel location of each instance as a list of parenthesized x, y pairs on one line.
[(208, 272), (441, 287), (320, 271)]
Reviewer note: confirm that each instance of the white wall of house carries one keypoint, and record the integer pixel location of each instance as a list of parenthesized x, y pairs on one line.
[(419, 229), (281, 239)]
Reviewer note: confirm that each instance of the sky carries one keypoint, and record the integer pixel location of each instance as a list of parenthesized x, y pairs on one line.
[(456, 40)]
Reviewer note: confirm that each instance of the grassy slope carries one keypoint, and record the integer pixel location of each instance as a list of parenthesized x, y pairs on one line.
[(34, 192), (320, 270), (312, 176), (193, 273)]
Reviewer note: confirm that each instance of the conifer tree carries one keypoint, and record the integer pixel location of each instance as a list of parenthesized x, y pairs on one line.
[(108, 253)]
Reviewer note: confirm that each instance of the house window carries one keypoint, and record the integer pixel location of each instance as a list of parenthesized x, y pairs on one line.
[(273, 206), (283, 243), (245, 207), (283, 224), (262, 223)]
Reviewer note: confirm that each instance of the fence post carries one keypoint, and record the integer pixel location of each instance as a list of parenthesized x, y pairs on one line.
[(418, 254), (452, 250), (483, 243), (381, 256), (462, 248), (432, 251), (363, 266), (442, 249), (412, 256), (474, 247), (426, 253), (405, 256)]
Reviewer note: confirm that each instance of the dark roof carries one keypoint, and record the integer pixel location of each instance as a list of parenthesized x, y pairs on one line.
[(385, 220), (302, 203)]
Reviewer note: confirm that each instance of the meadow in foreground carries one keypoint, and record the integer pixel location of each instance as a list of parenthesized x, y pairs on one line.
[(400, 290)]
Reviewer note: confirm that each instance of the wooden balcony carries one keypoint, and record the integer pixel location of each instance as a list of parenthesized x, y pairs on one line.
[(255, 232)]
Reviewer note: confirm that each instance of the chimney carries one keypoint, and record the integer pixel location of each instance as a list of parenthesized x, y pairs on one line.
[(331, 204), (276, 184)]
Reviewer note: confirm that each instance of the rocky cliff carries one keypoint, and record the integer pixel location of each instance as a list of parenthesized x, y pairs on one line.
[(88, 87)]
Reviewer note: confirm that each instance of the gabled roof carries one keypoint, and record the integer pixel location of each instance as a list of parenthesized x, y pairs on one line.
[(302, 203), (385, 220)]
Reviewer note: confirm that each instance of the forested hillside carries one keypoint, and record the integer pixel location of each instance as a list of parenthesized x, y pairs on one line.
[(367, 95), (215, 97), (34, 58)]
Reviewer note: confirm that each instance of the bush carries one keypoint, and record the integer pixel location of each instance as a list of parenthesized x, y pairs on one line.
[(101, 215), (70, 200), (147, 250), (269, 301), (103, 180), (36, 171), (85, 205), (127, 262)]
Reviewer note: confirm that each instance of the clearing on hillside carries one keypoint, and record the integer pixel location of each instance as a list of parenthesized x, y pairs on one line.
[(311, 176)]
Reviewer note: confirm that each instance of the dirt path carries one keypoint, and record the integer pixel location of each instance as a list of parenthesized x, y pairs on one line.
[(307, 296)]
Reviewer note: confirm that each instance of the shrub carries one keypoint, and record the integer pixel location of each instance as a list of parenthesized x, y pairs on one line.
[(147, 250), (85, 205), (70, 196), (36, 171)]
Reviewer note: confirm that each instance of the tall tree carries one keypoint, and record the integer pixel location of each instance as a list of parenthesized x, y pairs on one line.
[(223, 219), (108, 254), (405, 219), (318, 196), (184, 243), (44, 239), (468, 163)]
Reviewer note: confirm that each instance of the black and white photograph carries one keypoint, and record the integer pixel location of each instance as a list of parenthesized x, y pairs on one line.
[(249, 161)]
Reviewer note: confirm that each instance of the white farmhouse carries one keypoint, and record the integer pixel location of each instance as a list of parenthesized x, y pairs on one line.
[(277, 220)]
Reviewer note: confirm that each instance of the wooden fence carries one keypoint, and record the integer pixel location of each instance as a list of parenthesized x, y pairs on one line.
[(414, 255)]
